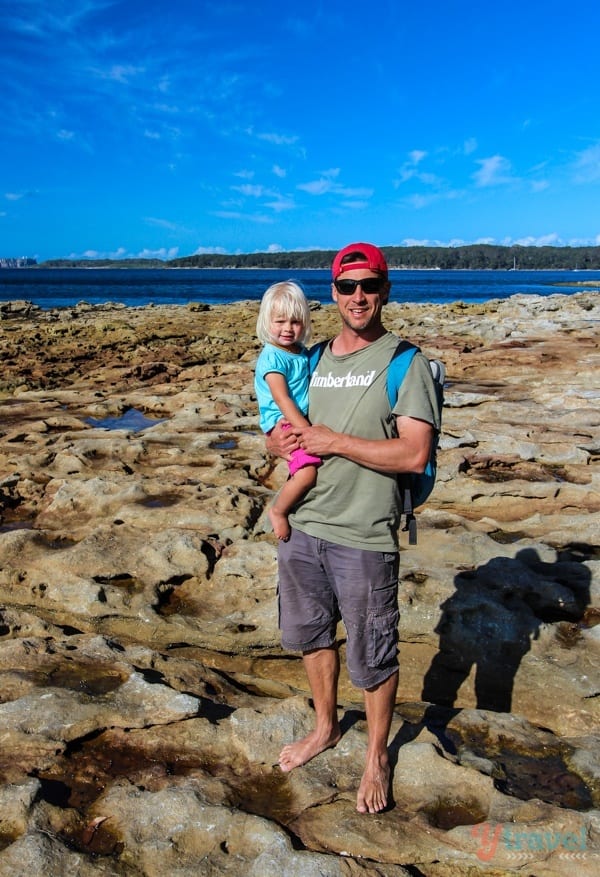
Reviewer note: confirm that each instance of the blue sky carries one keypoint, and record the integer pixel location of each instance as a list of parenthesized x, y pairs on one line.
[(171, 128)]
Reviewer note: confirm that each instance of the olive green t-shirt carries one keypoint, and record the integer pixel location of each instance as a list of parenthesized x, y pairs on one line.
[(350, 504)]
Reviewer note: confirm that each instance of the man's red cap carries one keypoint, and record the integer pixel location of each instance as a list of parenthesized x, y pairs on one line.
[(369, 257)]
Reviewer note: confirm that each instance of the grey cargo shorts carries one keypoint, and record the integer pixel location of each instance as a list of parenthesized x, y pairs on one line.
[(321, 582)]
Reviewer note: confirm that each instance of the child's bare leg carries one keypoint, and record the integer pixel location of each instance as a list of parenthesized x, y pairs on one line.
[(280, 523), (293, 489)]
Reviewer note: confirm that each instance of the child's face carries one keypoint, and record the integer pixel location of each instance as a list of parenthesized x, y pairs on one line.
[(285, 331)]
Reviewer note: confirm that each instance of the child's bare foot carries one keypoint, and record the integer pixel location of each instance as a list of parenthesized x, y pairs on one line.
[(301, 751), (374, 788), (280, 523)]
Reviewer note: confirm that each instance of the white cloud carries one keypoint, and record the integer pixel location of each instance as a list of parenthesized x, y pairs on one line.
[(169, 109), (546, 240), (88, 254), (587, 165), (316, 187), (356, 205), (279, 171), (324, 184), (493, 171), (278, 139), (40, 20), (328, 184), (584, 242), (469, 146), (420, 201), (229, 214), (164, 223), (430, 179), (245, 217), (252, 191), (122, 253), (427, 242), (161, 253), (281, 203), (347, 192), (410, 171), (122, 73), (277, 203), (18, 196), (201, 251)]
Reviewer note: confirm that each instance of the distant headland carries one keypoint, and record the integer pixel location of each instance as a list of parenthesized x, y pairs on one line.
[(469, 257)]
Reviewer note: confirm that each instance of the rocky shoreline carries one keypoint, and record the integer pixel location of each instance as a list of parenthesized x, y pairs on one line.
[(145, 696)]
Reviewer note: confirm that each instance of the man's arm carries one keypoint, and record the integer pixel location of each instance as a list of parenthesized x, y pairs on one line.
[(409, 452)]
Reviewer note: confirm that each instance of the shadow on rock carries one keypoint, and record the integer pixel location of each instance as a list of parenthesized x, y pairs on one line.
[(493, 616)]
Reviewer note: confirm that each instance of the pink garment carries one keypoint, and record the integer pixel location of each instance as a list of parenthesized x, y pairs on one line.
[(300, 459)]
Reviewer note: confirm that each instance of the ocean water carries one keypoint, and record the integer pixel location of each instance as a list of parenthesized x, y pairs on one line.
[(57, 287)]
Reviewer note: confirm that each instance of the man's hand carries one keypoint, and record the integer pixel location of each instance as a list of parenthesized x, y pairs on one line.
[(318, 439), (281, 441)]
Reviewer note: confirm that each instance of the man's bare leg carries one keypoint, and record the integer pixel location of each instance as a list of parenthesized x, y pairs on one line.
[(323, 669), (379, 706)]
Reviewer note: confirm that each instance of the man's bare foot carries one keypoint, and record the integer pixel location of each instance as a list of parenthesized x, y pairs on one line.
[(298, 753), (281, 527), (374, 787)]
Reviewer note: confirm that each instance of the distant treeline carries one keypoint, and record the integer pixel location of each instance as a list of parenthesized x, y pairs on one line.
[(471, 257), (104, 263)]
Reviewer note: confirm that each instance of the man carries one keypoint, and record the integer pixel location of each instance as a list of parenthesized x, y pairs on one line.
[(341, 560)]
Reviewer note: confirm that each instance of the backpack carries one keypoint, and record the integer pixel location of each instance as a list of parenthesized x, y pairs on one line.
[(415, 487)]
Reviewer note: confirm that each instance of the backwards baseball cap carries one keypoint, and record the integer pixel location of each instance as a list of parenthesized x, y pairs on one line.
[(364, 256)]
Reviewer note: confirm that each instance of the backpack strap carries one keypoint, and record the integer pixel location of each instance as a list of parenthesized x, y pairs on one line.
[(315, 353), (397, 369)]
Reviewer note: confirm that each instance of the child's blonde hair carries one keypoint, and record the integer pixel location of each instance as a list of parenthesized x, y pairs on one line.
[(288, 300)]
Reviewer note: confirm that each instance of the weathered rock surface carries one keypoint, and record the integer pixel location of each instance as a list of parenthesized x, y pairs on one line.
[(144, 695)]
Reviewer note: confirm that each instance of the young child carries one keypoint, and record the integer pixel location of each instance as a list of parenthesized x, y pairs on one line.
[(281, 384)]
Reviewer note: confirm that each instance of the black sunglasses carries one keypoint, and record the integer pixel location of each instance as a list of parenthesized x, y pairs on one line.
[(369, 284)]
